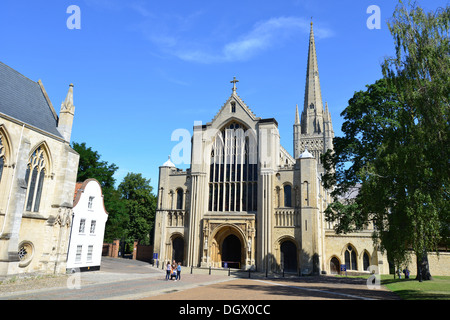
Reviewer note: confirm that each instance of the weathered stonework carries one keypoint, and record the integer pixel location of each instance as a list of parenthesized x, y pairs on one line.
[(37, 179), (246, 202)]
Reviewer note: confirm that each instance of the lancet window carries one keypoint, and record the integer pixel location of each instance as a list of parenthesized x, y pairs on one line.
[(34, 177), (2, 156), (233, 171)]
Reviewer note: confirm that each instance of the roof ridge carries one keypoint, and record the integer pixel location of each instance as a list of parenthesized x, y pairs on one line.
[(18, 72)]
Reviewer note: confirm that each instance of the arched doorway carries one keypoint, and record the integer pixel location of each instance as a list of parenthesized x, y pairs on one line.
[(288, 256), (178, 249), (334, 266), (231, 251)]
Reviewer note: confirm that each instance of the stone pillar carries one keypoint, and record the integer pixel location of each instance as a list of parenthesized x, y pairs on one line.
[(135, 249), (115, 249)]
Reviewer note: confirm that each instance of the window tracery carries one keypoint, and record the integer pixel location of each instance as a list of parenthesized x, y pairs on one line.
[(233, 170), (34, 178)]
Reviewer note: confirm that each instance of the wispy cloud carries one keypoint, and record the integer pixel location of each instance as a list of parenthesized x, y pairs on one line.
[(264, 35), (177, 36)]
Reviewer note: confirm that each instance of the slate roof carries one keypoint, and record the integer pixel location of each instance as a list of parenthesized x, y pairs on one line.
[(23, 99)]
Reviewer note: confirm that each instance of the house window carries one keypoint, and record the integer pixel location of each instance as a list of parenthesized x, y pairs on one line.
[(82, 225), (91, 200), (92, 230), (78, 254), (89, 253), (34, 177)]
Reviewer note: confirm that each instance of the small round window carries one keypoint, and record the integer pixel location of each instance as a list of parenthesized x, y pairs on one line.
[(26, 252)]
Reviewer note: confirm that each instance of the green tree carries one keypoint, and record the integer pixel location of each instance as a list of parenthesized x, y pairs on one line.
[(91, 166), (395, 146), (420, 71), (140, 204)]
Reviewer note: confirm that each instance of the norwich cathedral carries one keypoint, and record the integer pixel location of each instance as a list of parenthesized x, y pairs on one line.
[(246, 203)]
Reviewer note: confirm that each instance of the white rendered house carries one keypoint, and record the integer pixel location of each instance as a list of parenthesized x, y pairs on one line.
[(88, 227)]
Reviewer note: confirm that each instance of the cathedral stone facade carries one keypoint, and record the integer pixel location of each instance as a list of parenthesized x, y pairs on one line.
[(246, 203), (38, 170)]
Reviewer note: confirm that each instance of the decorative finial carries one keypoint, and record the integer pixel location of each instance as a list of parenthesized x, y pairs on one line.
[(234, 83)]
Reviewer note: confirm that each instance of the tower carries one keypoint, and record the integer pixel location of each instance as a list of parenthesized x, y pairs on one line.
[(314, 130)]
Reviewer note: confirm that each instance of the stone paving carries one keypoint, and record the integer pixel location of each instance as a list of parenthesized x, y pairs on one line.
[(123, 279)]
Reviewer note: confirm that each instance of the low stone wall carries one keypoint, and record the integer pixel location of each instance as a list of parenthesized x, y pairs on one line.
[(439, 264)]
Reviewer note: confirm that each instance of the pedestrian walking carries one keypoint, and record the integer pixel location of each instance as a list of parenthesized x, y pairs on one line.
[(179, 271), (406, 272)]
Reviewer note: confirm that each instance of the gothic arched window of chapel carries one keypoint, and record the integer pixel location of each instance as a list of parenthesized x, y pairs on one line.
[(34, 178)]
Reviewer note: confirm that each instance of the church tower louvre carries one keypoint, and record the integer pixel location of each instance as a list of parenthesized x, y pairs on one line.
[(313, 130)]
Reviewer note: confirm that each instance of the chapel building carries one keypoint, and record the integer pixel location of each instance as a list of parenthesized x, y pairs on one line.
[(246, 203), (38, 170)]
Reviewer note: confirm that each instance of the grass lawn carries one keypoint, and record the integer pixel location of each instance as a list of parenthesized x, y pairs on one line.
[(411, 289)]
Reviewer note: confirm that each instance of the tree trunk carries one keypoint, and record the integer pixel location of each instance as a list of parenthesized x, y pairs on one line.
[(423, 268)]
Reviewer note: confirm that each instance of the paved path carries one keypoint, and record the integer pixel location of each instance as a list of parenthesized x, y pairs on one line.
[(123, 279), (118, 279), (308, 288)]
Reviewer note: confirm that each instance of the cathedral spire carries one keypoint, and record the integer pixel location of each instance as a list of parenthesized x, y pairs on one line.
[(313, 106)]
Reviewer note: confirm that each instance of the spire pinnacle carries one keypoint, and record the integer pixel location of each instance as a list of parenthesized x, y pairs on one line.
[(313, 97), (67, 104), (297, 118)]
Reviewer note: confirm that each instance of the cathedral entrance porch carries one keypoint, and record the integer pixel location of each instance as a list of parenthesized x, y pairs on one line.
[(228, 245)]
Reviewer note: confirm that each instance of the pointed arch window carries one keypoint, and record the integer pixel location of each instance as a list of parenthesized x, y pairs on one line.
[(350, 258), (2, 156), (233, 170), (34, 178)]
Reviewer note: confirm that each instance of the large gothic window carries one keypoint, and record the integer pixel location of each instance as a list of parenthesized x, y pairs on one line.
[(34, 177), (233, 171)]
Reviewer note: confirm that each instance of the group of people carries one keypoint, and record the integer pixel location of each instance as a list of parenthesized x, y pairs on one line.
[(173, 271), (405, 271)]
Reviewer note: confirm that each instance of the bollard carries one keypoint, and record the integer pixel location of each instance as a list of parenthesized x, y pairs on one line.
[(229, 271), (191, 269), (209, 270), (283, 273)]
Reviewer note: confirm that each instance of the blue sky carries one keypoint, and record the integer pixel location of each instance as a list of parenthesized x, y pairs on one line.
[(142, 69)]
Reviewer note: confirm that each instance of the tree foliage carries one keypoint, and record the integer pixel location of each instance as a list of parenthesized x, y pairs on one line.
[(131, 206), (395, 144), (140, 205)]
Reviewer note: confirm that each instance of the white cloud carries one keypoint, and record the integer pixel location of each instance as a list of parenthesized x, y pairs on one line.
[(176, 35)]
